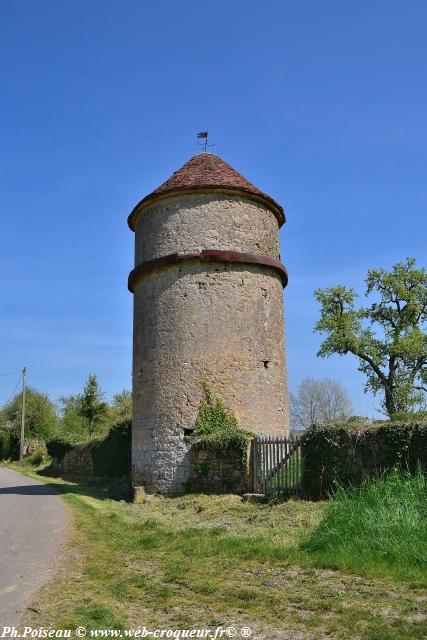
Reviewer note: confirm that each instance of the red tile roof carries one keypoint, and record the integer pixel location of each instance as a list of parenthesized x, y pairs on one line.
[(206, 170)]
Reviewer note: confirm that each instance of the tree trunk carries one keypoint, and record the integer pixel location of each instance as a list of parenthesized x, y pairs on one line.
[(389, 402)]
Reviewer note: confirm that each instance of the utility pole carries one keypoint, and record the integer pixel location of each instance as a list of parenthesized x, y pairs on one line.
[(21, 446)]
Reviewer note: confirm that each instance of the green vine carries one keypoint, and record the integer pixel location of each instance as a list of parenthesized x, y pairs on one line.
[(217, 427), (345, 453)]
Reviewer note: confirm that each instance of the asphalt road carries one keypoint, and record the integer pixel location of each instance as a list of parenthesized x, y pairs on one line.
[(33, 522)]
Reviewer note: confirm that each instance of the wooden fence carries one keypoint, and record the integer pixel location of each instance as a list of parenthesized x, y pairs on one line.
[(276, 466)]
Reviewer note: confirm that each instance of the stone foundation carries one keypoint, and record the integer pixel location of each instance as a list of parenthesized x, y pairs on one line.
[(78, 461), (218, 472)]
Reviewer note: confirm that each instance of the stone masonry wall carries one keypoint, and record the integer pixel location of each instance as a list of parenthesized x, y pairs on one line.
[(78, 460), (217, 472), (184, 224), (218, 323)]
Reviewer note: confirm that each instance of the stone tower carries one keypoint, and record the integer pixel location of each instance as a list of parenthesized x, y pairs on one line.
[(208, 306)]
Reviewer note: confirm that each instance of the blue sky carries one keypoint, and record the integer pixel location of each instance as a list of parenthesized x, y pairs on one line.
[(320, 104)]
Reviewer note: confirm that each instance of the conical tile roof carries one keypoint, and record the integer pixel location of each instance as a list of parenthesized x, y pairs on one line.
[(208, 171)]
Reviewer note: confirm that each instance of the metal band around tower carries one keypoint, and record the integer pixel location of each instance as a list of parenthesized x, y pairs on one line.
[(208, 256)]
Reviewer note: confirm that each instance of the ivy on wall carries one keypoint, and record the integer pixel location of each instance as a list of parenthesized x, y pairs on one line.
[(347, 453), (111, 455), (217, 427), (219, 448)]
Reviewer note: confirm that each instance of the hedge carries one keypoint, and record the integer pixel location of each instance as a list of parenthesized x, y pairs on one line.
[(58, 447), (111, 455), (347, 453), (9, 444)]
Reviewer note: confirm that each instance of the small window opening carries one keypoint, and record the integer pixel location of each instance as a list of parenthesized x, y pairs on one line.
[(266, 364), (188, 431)]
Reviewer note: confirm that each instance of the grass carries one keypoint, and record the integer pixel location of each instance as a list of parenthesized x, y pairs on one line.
[(289, 477), (379, 528), (201, 561)]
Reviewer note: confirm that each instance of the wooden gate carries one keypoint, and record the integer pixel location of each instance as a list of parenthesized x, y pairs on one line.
[(276, 466)]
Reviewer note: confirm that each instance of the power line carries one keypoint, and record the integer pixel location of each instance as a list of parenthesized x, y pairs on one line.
[(10, 373), (11, 395)]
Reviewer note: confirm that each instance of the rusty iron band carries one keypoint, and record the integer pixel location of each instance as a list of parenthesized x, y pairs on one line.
[(208, 256)]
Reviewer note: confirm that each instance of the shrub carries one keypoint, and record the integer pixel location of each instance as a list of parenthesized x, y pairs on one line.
[(346, 453), (58, 447), (37, 457), (40, 414), (9, 444), (111, 456)]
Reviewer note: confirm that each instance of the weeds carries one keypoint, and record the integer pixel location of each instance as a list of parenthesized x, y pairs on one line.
[(379, 528)]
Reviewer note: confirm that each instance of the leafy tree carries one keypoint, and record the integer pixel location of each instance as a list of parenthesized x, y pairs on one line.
[(85, 413), (318, 402), (41, 418), (121, 407), (93, 406), (388, 338)]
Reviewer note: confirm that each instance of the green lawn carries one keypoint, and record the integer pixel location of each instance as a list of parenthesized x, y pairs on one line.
[(204, 561)]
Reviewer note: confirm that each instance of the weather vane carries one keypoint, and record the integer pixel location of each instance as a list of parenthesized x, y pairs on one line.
[(204, 136)]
